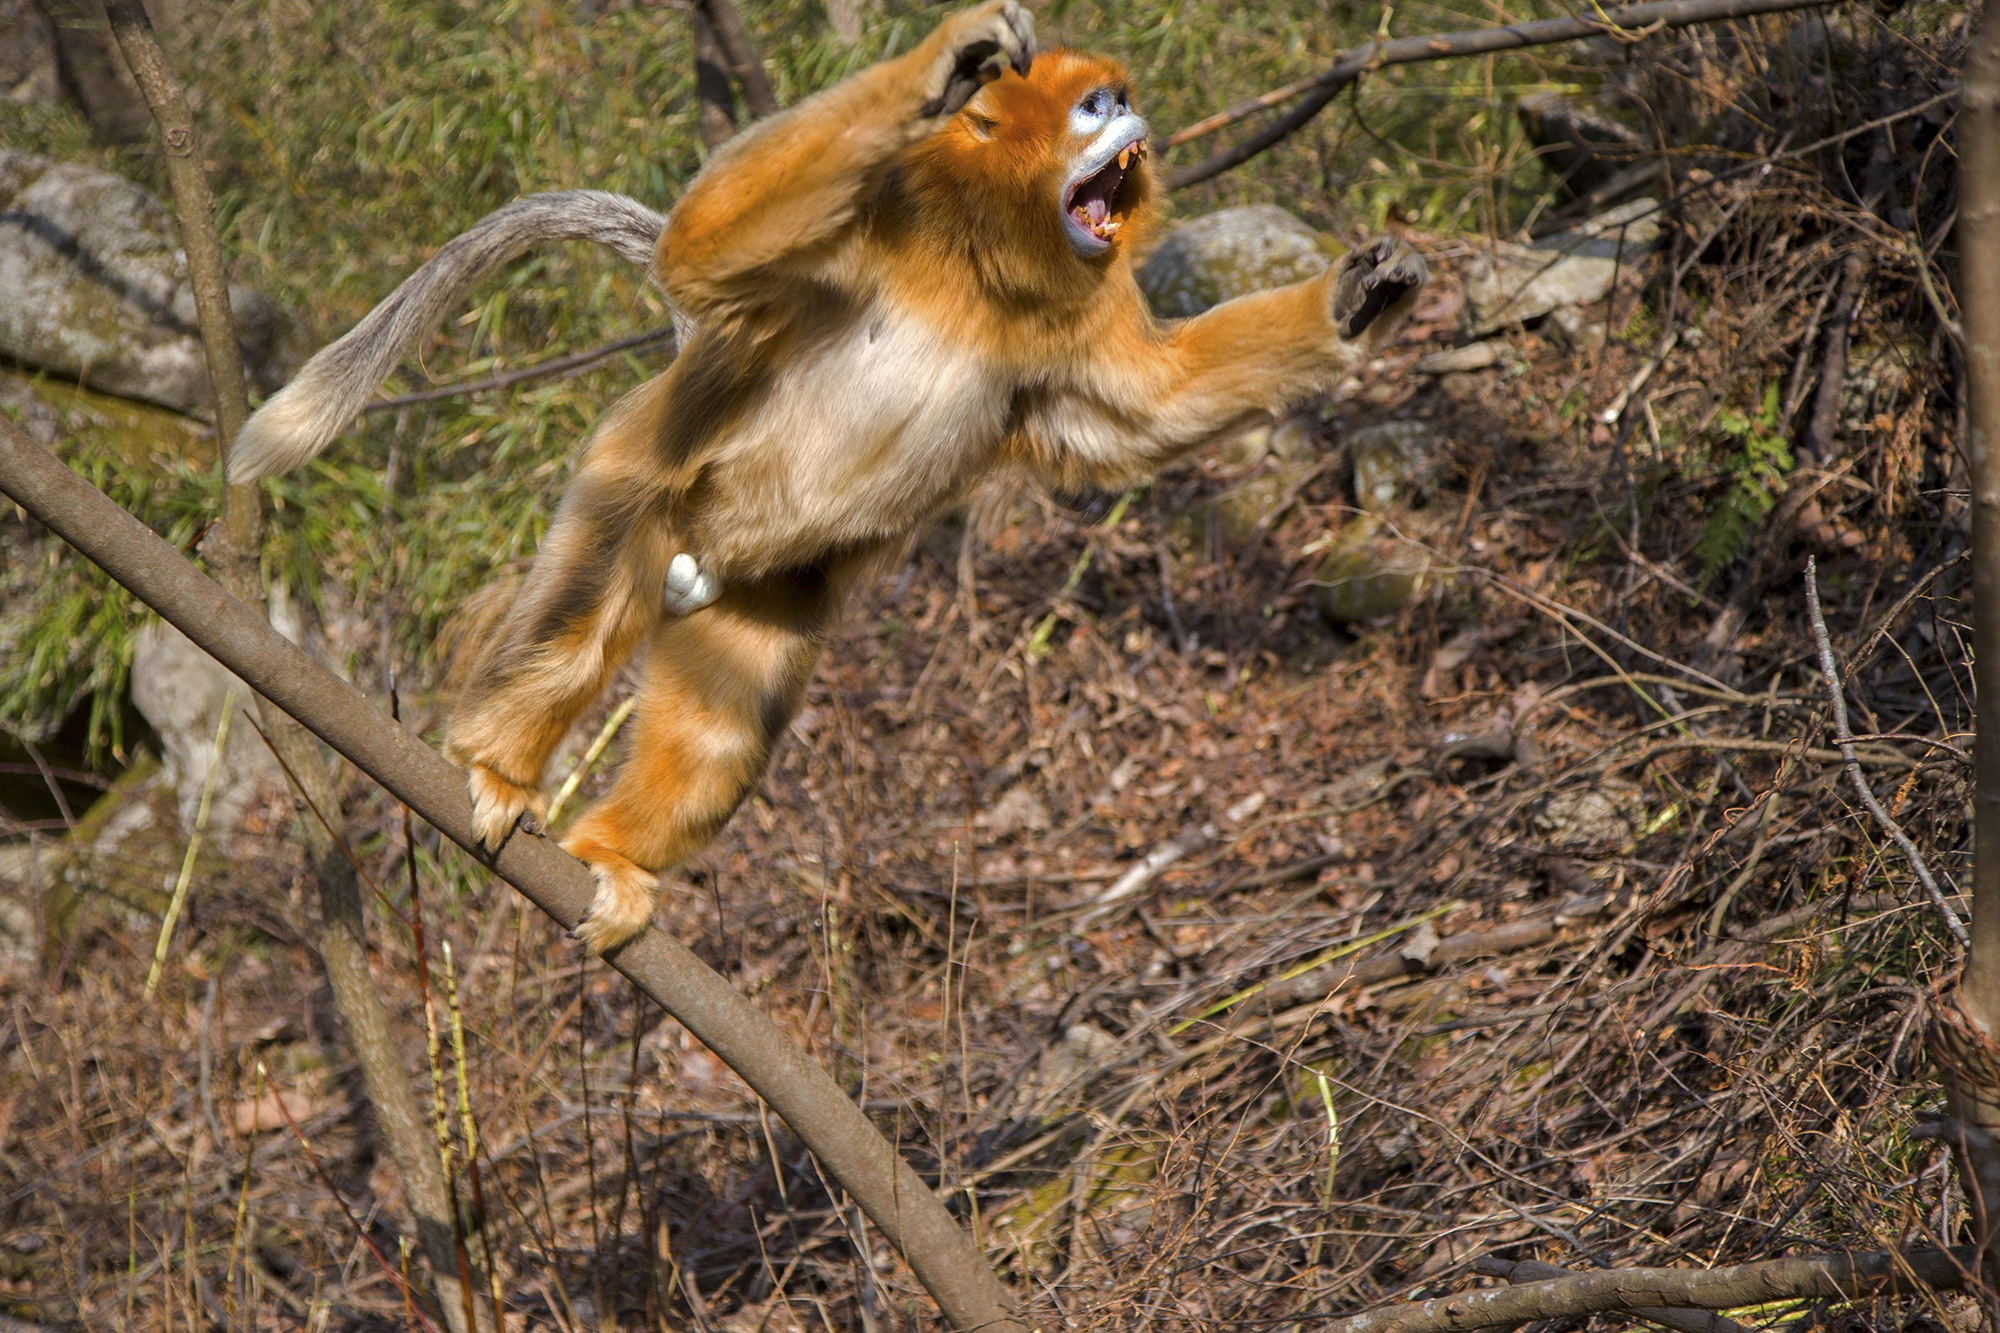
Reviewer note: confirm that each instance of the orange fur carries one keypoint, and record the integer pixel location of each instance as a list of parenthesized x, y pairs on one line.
[(890, 297)]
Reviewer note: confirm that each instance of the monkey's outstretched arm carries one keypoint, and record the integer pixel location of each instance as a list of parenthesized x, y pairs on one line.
[(1151, 398), (756, 217)]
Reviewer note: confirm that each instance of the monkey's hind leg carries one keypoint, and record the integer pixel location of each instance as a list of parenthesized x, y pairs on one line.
[(720, 686), (594, 591)]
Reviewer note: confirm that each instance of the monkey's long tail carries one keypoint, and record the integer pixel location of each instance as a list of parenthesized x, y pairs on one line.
[(331, 389)]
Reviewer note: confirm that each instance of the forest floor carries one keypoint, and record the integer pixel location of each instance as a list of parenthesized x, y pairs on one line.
[(1521, 922)]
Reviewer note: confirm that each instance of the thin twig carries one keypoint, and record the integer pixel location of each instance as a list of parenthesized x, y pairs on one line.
[(565, 366), (1352, 64), (1837, 697)]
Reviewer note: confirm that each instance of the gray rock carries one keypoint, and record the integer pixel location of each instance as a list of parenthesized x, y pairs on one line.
[(1631, 230), (1595, 819), (1581, 146), (25, 408), (97, 289), (1511, 284), (1369, 572), (1231, 253), (1289, 442), (180, 691), (1395, 461)]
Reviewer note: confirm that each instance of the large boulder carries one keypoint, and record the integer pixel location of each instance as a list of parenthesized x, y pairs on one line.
[(97, 289), (1231, 253)]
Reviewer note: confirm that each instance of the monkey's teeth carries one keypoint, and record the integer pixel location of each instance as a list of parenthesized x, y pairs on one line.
[(1125, 157)]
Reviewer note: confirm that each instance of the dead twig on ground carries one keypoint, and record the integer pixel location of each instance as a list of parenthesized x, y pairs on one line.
[(1681, 1321), (1820, 1277), (1836, 697)]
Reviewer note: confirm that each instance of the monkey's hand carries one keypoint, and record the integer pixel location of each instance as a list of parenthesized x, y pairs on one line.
[(1379, 279), (971, 49), (689, 587), (498, 804)]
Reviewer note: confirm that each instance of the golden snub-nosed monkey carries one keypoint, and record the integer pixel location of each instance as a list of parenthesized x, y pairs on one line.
[(882, 295)]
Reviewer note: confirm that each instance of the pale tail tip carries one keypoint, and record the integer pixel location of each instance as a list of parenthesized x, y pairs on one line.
[(279, 436)]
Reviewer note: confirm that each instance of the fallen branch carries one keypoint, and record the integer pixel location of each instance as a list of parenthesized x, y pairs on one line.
[(1814, 1277), (1626, 24), (1680, 1320), (895, 1198), (1837, 697), (1513, 937)]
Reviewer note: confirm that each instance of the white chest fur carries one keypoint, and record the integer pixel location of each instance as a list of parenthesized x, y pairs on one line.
[(859, 441)]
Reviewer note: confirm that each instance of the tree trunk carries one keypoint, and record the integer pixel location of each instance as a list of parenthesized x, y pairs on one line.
[(1962, 1038), (232, 551)]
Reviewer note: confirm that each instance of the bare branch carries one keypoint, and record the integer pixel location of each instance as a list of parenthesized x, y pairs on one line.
[(734, 39), (233, 553), (573, 363), (1979, 301), (1837, 696), (1628, 24), (1680, 1320)]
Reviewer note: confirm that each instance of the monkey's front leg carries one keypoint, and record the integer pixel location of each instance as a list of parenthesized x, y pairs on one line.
[(779, 191)]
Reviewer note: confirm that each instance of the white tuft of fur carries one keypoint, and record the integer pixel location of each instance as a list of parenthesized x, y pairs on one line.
[(293, 426), (333, 388)]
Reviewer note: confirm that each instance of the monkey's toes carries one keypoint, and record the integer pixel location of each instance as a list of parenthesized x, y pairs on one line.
[(498, 805), (1371, 280), (622, 908)]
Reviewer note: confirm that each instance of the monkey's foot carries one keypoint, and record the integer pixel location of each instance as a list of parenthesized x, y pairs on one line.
[(1371, 280), (624, 903), (978, 44), (689, 587), (498, 805)]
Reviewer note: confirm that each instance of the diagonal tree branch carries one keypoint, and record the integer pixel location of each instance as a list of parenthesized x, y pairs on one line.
[(895, 1198)]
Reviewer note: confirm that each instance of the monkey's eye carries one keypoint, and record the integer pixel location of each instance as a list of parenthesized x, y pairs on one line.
[(1094, 110)]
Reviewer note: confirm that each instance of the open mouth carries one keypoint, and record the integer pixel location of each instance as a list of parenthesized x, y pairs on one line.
[(1097, 201)]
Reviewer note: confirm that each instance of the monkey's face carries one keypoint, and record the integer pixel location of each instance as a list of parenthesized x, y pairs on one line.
[(1101, 190), (1045, 177)]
